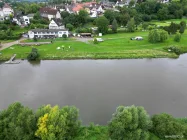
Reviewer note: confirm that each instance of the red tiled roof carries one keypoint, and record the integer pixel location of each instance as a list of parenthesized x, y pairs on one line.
[(78, 7), (49, 11)]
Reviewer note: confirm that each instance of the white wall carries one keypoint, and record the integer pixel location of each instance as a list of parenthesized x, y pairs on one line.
[(58, 15)]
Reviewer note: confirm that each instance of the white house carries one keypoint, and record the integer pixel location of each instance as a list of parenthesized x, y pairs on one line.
[(25, 20), (54, 25), (7, 10), (49, 13), (164, 1), (47, 33)]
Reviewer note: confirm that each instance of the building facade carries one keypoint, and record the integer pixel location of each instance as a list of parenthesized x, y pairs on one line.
[(47, 33)]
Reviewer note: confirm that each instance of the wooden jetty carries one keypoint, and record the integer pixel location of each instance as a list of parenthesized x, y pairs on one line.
[(11, 61)]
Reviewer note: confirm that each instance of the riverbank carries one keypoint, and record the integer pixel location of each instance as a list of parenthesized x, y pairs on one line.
[(115, 46)]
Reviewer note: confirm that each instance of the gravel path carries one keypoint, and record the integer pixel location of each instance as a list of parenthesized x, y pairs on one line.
[(6, 45)]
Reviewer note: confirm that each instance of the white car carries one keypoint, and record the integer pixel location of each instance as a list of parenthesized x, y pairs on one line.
[(99, 39), (137, 38)]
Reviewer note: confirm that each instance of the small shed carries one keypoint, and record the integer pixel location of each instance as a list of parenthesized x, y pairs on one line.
[(86, 34)]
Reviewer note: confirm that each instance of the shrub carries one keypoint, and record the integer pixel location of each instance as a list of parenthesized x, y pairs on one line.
[(177, 37), (35, 39), (33, 55), (64, 36), (174, 49), (130, 123), (95, 41)]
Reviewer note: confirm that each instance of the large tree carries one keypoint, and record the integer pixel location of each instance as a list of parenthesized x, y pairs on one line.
[(17, 123), (129, 123), (166, 125), (57, 124), (102, 24)]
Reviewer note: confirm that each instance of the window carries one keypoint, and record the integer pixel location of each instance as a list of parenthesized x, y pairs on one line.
[(60, 32)]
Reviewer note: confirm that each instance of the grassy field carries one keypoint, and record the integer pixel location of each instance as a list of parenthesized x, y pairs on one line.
[(115, 46), (168, 22)]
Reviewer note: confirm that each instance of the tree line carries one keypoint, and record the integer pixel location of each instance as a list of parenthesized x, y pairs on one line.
[(62, 123)]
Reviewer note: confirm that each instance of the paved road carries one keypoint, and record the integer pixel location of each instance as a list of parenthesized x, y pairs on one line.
[(6, 45)]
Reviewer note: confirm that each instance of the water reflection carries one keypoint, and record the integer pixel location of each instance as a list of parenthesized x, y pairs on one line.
[(35, 63)]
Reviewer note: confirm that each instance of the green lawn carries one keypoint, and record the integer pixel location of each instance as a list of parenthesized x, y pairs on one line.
[(115, 46)]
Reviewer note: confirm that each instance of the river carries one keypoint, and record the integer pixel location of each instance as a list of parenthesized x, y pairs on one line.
[(97, 87)]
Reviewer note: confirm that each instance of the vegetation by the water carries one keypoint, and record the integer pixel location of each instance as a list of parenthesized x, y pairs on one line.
[(115, 46), (55, 123)]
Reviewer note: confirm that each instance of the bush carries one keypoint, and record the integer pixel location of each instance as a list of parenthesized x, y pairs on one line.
[(177, 37), (35, 39), (33, 55), (83, 30), (174, 49), (69, 26), (64, 36), (165, 125), (130, 123)]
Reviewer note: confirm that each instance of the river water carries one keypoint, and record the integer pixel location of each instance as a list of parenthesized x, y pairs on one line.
[(97, 87)]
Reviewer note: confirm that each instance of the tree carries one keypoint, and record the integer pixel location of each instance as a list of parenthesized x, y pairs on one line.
[(137, 19), (37, 16), (33, 55), (155, 36), (110, 15), (166, 125), (82, 17), (163, 13), (131, 25), (145, 25), (69, 26), (17, 122), (102, 24), (177, 37), (182, 27), (57, 124), (114, 26), (173, 28), (64, 14), (129, 123), (123, 19), (163, 35), (131, 3)]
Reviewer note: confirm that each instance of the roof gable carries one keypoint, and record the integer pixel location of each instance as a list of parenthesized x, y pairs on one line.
[(49, 11)]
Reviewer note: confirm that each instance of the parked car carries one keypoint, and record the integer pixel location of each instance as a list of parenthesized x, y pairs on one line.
[(99, 39), (137, 38)]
